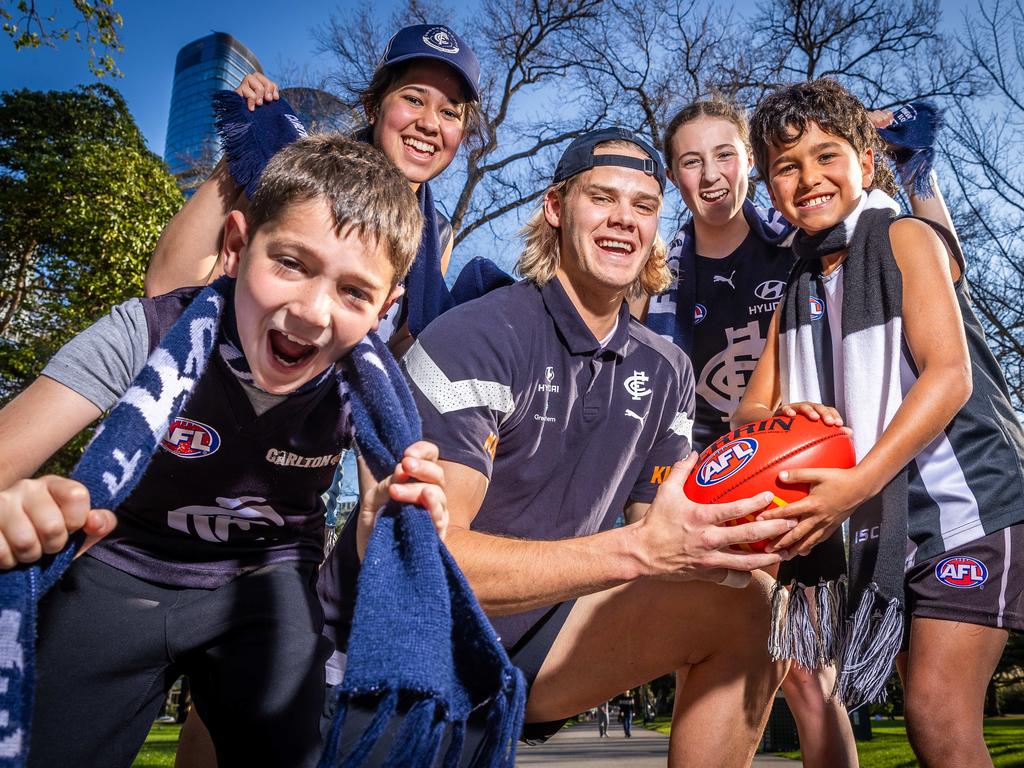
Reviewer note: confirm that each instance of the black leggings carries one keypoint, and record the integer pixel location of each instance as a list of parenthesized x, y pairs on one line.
[(110, 646)]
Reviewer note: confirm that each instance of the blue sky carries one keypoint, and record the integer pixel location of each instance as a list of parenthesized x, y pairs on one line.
[(154, 31), (152, 34)]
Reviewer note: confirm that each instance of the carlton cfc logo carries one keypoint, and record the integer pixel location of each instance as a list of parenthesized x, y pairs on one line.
[(190, 439), (961, 572), (699, 313), (817, 308), (726, 461)]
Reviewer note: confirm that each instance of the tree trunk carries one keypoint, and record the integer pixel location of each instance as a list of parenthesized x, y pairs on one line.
[(992, 705)]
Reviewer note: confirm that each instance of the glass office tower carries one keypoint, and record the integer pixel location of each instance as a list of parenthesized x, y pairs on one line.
[(212, 63)]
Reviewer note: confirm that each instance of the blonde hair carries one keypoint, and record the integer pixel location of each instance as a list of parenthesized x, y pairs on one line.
[(542, 250)]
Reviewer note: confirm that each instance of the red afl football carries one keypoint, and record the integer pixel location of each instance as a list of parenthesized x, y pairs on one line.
[(747, 461)]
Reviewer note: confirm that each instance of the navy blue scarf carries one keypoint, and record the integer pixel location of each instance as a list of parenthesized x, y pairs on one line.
[(670, 314), (911, 138), (419, 634)]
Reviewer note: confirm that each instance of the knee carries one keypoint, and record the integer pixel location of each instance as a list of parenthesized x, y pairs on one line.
[(936, 724)]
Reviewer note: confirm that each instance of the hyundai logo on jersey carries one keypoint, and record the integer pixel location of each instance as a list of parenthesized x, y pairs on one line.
[(817, 308), (770, 290), (699, 313), (190, 439), (961, 572), (726, 461)]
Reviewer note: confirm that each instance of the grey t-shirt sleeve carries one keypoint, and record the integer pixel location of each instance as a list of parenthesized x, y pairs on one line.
[(101, 361)]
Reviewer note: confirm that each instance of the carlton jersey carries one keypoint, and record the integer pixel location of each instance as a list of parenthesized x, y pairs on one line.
[(515, 386), (228, 491), (969, 481), (735, 299)]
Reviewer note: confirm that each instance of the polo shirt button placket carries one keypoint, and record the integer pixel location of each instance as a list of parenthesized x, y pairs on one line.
[(592, 401)]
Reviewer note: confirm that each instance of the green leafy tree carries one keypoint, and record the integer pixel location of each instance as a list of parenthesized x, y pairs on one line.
[(82, 203), (97, 27)]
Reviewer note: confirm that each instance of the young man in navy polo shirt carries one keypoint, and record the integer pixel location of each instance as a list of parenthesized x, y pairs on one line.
[(554, 412)]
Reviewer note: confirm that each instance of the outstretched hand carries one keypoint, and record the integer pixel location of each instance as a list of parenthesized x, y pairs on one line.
[(36, 517), (684, 540), (418, 479)]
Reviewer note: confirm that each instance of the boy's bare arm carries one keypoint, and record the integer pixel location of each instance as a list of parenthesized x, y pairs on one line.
[(36, 515), (763, 393), (36, 424), (674, 538), (933, 328)]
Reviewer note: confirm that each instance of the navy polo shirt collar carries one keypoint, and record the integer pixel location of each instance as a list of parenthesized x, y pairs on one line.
[(578, 338)]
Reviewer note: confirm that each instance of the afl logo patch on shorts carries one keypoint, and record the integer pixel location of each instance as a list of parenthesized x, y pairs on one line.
[(726, 461), (817, 308), (190, 439), (699, 313), (961, 572)]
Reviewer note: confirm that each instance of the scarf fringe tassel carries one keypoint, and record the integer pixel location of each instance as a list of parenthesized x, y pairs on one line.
[(244, 158), (421, 734), (872, 641)]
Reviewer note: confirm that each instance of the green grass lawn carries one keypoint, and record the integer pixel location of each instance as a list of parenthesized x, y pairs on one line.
[(158, 751), (889, 747)]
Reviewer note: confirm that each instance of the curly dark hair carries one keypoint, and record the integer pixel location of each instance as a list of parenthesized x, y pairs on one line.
[(782, 117)]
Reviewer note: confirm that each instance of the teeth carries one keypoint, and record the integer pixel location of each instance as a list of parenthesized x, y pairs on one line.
[(616, 245), (815, 201), (295, 339), (422, 146), (286, 363), (717, 194)]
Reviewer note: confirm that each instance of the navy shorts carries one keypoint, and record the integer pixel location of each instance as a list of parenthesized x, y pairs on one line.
[(529, 654), (981, 582), (111, 645)]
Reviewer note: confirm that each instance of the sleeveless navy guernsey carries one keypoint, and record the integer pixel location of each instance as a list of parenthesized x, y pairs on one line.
[(229, 491)]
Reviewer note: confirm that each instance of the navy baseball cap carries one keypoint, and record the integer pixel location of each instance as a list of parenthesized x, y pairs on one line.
[(579, 155), (434, 41)]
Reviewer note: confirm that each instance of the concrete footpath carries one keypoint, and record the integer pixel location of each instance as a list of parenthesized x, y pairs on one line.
[(581, 747)]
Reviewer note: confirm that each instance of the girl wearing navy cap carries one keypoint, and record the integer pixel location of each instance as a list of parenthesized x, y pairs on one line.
[(732, 261), (422, 102)]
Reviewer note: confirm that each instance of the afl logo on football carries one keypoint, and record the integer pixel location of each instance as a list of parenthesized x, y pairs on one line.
[(699, 313), (726, 461), (190, 439), (441, 39), (770, 290), (961, 572), (817, 308)]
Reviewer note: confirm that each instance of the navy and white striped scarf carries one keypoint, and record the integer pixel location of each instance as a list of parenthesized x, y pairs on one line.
[(861, 634), (670, 314), (419, 633)]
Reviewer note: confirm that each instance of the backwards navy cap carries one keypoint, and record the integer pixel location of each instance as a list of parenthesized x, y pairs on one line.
[(579, 155), (434, 41)]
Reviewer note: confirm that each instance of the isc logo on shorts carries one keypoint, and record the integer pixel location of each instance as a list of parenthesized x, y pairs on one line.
[(190, 439), (817, 308), (699, 313), (726, 461), (961, 572)]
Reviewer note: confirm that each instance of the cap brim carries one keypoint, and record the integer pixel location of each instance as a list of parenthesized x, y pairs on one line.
[(466, 80)]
